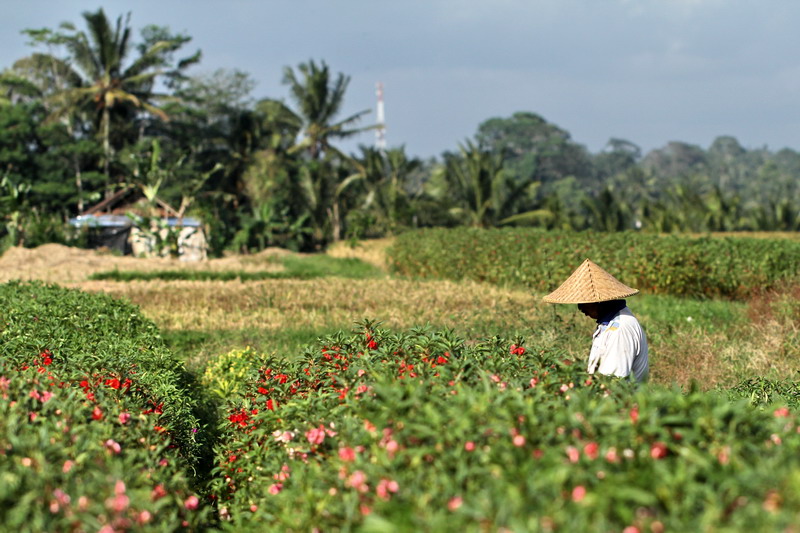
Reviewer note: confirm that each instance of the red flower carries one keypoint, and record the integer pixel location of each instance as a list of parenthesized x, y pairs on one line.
[(634, 414), (262, 390), (97, 413), (158, 492), (372, 344), (113, 383), (591, 450), (658, 450), (781, 412)]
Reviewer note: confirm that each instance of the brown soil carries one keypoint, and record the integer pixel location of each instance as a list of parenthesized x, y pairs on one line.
[(63, 264)]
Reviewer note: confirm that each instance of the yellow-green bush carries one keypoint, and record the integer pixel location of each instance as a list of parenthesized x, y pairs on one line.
[(225, 375)]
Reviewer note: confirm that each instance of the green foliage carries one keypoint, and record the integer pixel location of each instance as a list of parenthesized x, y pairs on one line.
[(767, 392), (419, 430), (225, 376), (71, 463), (308, 267), (95, 335), (97, 427), (678, 265)]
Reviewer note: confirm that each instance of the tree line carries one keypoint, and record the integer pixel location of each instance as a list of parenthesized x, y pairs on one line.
[(95, 118)]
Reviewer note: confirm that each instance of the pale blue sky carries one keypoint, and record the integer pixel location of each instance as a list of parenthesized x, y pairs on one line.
[(649, 71)]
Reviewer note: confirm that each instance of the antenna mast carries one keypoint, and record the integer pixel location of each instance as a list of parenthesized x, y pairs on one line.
[(380, 133)]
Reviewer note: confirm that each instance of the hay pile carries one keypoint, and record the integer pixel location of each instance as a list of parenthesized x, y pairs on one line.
[(57, 263)]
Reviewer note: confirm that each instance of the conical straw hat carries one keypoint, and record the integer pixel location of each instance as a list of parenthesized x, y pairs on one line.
[(588, 284)]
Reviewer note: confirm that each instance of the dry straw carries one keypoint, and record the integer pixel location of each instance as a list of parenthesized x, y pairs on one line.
[(588, 284)]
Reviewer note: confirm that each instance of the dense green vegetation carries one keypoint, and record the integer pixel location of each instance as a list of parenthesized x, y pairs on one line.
[(315, 266), (97, 422), (675, 264), (373, 428), (95, 118)]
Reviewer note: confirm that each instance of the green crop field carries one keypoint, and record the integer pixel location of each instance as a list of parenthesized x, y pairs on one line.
[(333, 392)]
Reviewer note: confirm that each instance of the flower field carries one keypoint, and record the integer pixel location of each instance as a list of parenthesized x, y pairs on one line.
[(483, 420)]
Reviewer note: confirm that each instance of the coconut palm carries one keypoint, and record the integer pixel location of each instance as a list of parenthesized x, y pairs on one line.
[(96, 77), (318, 99), (479, 186), (385, 174)]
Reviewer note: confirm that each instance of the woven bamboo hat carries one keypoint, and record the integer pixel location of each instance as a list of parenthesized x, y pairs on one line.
[(589, 284)]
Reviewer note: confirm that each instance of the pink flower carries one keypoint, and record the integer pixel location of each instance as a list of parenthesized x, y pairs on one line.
[(118, 503), (46, 395), (283, 475), (361, 372), (275, 488), (454, 503), (658, 450), (61, 496), (347, 454), (158, 492), (67, 466), (385, 488), (578, 493), (392, 447), (634, 414), (191, 503), (316, 435), (781, 412), (534, 382), (143, 517), (591, 450), (611, 455), (124, 417), (283, 436), (563, 387), (469, 445), (519, 441), (631, 529), (573, 454), (113, 446), (358, 481)]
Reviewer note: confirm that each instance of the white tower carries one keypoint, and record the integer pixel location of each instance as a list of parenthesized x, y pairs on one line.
[(380, 133)]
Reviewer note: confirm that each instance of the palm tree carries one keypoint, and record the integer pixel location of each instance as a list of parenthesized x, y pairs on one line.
[(95, 78), (319, 101), (385, 174), (479, 186)]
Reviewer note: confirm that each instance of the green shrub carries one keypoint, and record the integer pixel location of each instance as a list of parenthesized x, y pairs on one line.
[(307, 267), (70, 463), (540, 260), (225, 376), (95, 415), (422, 431)]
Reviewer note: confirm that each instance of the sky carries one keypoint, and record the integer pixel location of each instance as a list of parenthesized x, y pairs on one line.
[(648, 71)]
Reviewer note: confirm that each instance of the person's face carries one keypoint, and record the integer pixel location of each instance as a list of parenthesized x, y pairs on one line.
[(591, 310)]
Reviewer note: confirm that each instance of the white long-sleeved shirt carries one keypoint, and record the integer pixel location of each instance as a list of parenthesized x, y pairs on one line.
[(619, 347)]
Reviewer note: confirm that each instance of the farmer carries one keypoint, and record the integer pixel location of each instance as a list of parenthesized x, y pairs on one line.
[(619, 345)]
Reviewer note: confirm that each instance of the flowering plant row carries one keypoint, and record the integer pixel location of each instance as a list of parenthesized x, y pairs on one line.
[(97, 431), (422, 431), (680, 265)]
